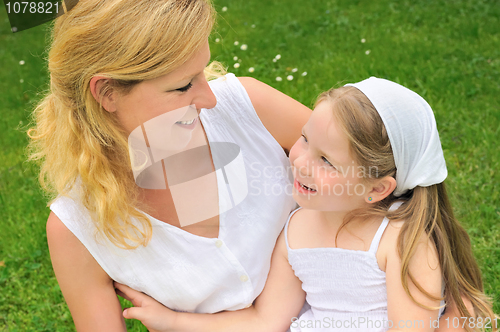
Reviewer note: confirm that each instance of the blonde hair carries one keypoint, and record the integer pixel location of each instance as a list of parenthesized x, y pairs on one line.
[(74, 138), (426, 210)]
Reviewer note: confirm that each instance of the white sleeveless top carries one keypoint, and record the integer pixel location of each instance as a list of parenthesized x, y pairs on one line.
[(342, 286), (190, 273)]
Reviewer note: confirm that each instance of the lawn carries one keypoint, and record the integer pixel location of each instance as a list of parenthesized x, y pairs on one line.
[(447, 51)]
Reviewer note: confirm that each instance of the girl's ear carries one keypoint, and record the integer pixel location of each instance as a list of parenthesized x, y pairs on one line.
[(381, 189), (103, 92)]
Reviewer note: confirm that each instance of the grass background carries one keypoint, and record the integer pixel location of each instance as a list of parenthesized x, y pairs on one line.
[(447, 51)]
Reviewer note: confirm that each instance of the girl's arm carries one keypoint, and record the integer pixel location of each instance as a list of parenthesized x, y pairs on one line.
[(446, 321), (280, 301), (403, 312), (282, 116), (87, 289)]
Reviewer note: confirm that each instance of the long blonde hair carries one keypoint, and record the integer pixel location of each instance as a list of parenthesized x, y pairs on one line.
[(74, 138), (426, 210)]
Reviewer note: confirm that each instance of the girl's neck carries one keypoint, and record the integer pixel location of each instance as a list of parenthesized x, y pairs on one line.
[(335, 219)]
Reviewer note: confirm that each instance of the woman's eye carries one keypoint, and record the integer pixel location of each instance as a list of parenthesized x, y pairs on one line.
[(185, 88), (305, 139), (326, 161)]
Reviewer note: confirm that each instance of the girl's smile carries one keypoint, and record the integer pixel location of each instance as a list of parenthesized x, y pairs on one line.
[(302, 188)]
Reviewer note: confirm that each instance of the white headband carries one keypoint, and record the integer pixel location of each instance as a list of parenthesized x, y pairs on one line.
[(411, 127)]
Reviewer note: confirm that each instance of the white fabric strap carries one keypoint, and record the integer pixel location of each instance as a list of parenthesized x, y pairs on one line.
[(378, 236), (412, 131), (382, 227)]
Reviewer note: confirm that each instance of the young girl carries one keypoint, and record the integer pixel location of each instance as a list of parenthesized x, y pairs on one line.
[(375, 245)]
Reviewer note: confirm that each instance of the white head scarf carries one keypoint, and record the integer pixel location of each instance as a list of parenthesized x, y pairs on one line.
[(411, 127)]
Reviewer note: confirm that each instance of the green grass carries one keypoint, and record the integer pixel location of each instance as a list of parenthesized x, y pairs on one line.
[(447, 51)]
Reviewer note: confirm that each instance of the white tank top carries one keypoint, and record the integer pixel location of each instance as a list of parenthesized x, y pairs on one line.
[(344, 287), (190, 273)]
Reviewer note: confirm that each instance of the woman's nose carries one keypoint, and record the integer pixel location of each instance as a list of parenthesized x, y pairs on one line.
[(205, 98)]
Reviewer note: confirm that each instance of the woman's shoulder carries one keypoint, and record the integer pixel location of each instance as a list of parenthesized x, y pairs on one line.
[(233, 103), (71, 212), (65, 202), (228, 86), (282, 116), (66, 249), (57, 230)]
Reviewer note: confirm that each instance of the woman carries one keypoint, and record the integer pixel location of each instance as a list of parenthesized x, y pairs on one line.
[(116, 65), (108, 77)]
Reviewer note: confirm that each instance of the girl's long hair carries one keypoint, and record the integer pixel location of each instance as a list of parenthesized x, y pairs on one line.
[(426, 210), (81, 148)]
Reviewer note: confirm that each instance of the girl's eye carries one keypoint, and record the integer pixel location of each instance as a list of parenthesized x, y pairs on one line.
[(305, 139), (326, 161), (185, 88)]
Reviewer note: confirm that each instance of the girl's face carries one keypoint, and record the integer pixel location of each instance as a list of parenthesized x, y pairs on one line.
[(176, 90), (326, 177)]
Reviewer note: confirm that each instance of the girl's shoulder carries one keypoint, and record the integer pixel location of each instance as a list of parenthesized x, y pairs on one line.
[(388, 242), (302, 230), (425, 249)]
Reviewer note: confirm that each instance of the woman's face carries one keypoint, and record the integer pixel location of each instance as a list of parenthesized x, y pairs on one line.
[(322, 161), (174, 91)]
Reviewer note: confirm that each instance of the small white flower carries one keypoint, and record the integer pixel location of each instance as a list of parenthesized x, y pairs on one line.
[(235, 58), (217, 40), (274, 60), (279, 79), (21, 62), (363, 40), (236, 43), (289, 77), (294, 70), (253, 26), (14, 29), (224, 9), (244, 47), (251, 69), (236, 65), (278, 56), (367, 52), (21, 81), (304, 73)]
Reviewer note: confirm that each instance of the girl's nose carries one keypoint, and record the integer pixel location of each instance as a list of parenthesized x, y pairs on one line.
[(302, 165)]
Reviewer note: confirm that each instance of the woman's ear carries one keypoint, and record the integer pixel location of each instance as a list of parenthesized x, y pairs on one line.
[(103, 92), (381, 188)]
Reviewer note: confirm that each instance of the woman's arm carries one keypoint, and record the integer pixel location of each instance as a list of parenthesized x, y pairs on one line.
[(87, 289), (403, 312), (282, 116), (280, 301)]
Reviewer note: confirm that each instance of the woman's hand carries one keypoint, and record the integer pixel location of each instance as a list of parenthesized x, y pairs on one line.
[(155, 316)]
